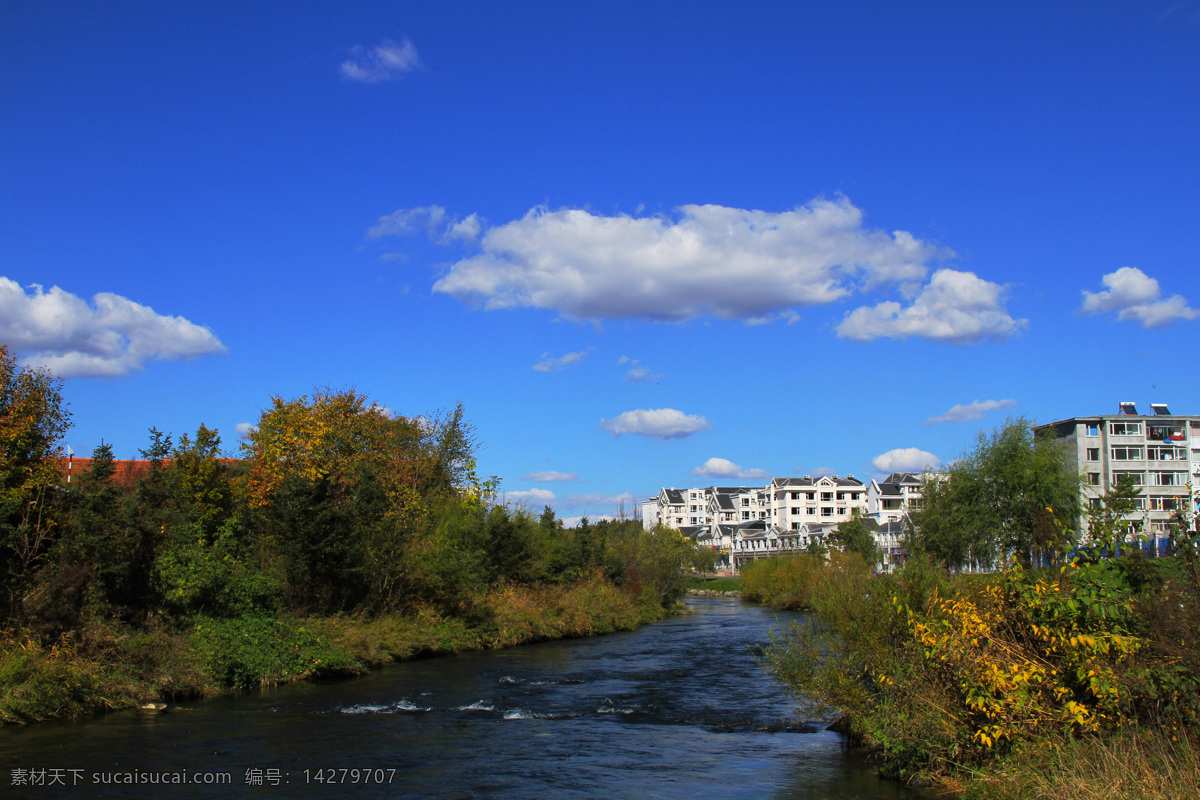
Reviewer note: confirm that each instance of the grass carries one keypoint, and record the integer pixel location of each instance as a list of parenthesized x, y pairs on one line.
[(108, 666), (716, 584), (1131, 765)]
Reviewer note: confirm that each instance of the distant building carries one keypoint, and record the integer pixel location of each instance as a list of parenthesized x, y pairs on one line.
[(792, 502), (1157, 452), (894, 497)]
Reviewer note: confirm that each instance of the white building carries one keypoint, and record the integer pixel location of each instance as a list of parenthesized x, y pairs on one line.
[(792, 502), (894, 497)]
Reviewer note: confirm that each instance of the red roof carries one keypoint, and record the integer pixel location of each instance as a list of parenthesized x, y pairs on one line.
[(127, 472)]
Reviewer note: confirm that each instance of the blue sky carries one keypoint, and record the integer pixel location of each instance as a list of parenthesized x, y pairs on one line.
[(644, 244)]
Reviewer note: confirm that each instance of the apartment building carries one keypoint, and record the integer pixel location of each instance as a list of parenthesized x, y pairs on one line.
[(894, 497), (1158, 452), (792, 502)]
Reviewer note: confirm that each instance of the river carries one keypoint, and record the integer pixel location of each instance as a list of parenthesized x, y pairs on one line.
[(677, 709)]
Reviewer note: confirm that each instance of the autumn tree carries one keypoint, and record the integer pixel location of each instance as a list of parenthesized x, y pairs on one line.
[(33, 419)]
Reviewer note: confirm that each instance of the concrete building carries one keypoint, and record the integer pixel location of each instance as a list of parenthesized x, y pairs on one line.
[(1158, 452)]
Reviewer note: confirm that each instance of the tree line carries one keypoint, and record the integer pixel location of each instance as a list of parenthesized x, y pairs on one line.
[(336, 506)]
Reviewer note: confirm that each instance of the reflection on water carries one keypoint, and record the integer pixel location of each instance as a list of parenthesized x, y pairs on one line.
[(679, 709)]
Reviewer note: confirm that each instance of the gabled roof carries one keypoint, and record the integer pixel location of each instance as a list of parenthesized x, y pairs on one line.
[(905, 478), (674, 496)]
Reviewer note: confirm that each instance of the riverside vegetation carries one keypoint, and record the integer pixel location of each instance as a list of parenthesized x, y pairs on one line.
[(346, 537), (1077, 678)]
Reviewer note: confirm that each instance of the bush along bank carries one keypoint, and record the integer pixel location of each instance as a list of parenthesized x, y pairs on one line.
[(1002, 685), (108, 666), (345, 536)]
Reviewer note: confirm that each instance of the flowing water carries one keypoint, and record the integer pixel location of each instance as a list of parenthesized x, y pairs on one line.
[(678, 709)]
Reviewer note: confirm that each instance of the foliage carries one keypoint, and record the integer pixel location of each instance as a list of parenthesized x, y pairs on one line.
[(262, 650), (654, 562), (198, 571), (942, 672), (716, 584), (783, 582), (33, 418), (1002, 498), (855, 535), (1159, 764)]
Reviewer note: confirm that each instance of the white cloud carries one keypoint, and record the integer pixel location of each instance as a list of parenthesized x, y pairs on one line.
[(708, 260), (550, 475), (245, 428), (573, 522), (724, 468), (1135, 295), (384, 62), (908, 459), (534, 496), (970, 411), (955, 307), (433, 221), (407, 221), (112, 336), (636, 372), (466, 230), (821, 472), (598, 500), (666, 423), (548, 364)]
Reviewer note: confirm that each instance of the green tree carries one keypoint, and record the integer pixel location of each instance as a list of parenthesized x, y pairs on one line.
[(1005, 497), (1109, 523), (855, 535), (33, 419)]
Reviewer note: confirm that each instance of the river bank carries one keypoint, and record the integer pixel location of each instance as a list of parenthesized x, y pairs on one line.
[(106, 666), (674, 709), (1076, 681)]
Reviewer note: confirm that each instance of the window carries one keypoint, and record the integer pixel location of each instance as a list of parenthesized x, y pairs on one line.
[(1127, 454), (841, 496), (1164, 503), (795, 526), (890, 504), (811, 511), (745, 501), (826, 496), (1125, 428), (826, 511), (1093, 479), (855, 495), (841, 510), (1166, 433), (795, 512), (1093, 454), (1165, 454), (1169, 478), (1093, 429), (810, 495), (1094, 502), (1132, 478)]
